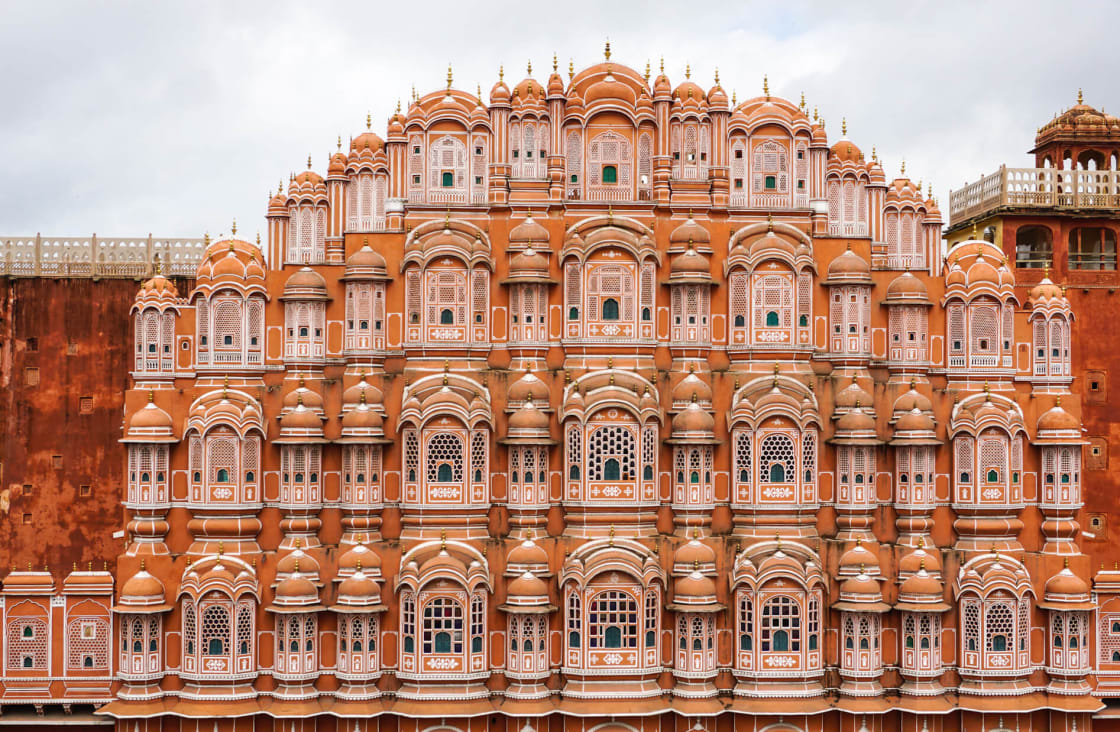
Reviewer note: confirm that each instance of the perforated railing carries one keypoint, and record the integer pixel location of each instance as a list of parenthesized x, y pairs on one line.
[(96, 257)]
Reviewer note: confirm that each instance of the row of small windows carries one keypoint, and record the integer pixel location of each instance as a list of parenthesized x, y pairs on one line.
[(1090, 248)]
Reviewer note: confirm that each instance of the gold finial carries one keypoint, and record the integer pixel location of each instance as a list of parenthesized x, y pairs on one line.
[(646, 77), (369, 122), (554, 62), (443, 539), (843, 126), (1080, 96), (717, 76), (501, 73), (696, 533), (449, 76), (398, 107), (874, 154), (358, 566), (802, 105), (529, 534), (1065, 564), (233, 227), (734, 97), (74, 568), (340, 143), (478, 91), (922, 565), (309, 161), (607, 50), (221, 548), (921, 542), (529, 68), (766, 86), (778, 539), (612, 535), (904, 166), (688, 71), (296, 567), (151, 396), (142, 568), (414, 95), (571, 69), (769, 222)]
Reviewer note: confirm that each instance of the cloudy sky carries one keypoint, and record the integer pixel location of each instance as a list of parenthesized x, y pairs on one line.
[(174, 118)]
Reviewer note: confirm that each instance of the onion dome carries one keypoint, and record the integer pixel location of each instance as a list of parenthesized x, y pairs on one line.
[(555, 82), (906, 289), (150, 424), (1067, 591), (855, 421), (1046, 295), (690, 233), (528, 91), (689, 267), (694, 590), (818, 136), (302, 395), (528, 266), (912, 399), (301, 424), (395, 127), (692, 385), (919, 558), (367, 141), (305, 284), (904, 189), (295, 593), (1056, 426), (278, 204), (229, 261), (877, 177), (529, 231), (527, 556), (526, 591), (717, 97), (694, 555), (662, 87), (861, 593), (856, 559), (527, 387), (366, 264), (915, 427), (529, 422), (845, 151), (337, 166), (363, 390), (142, 592), (296, 560), (647, 401), (158, 292), (360, 555), (852, 394), (771, 245), (921, 592), (359, 592), (694, 422), (499, 93), (362, 421), (29, 582), (609, 89), (849, 269)]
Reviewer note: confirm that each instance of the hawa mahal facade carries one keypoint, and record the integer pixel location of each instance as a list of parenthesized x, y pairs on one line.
[(605, 405)]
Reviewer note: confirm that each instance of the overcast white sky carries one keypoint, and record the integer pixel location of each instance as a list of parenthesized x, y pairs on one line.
[(126, 118)]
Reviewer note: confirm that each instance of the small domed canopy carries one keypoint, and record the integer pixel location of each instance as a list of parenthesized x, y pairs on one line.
[(861, 593), (857, 558), (845, 151), (689, 386), (230, 575), (695, 592), (906, 289), (979, 268), (448, 394), (230, 407), (922, 592), (364, 424), (527, 594), (363, 555), (305, 284), (295, 593), (528, 556), (355, 393), (774, 396), (298, 560), (849, 269), (366, 264), (992, 572), (693, 425), (690, 232), (159, 293), (623, 389), (301, 425), (1067, 591), (529, 231), (694, 555), (150, 424), (689, 267), (358, 593), (779, 559), (142, 593), (856, 427), (601, 556), (529, 425), (529, 267), (1056, 426), (529, 386), (755, 244), (915, 560), (454, 561), (232, 264)]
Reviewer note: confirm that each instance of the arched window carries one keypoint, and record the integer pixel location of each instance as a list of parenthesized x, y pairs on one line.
[(1092, 247), (442, 630), (610, 174), (1034, 247), (781, 625), (611, 470), (610, 309), (776, 458), (612, 620), (772, 319)]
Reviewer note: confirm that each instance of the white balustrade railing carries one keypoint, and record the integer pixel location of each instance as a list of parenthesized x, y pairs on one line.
[(1036, 187), (847, 228), (94, 256)]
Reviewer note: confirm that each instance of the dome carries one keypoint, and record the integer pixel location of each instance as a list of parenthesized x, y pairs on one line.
[(1066, 583), (693, 420), (845, 151), (529, 263), (297, 560), (610, 89), (499, 93), (1057, 418), (1045, 292), (359, 589), (920, 585), (362, 390), (302, 395), (692, 385), (362, 418), (156, 291), (858, 557), (912, 399), (528, 554), (305, 283), (296, 590), (529, 231), (142, 589), (856, 420), (906, 288), (366, 264), (337, 165), (915, 421), (849, 267), (851, 395), (690, 232), (360, 555), (151, 421), (527, 387), (367, 141), (229, 259), (528, 419), (301, 418), (442, 561), (861, 586), (694, 553), (772, 245), (917, 559), (689, 265), (695, 587), (527, 586)]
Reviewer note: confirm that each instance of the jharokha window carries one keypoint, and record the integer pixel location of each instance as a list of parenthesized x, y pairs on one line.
[(443, 632), (609, 297), (612, 626)]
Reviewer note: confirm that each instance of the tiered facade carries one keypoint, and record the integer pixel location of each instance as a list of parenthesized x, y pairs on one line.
[(604, 403)]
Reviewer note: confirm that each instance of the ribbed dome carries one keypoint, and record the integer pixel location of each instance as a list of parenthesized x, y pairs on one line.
[(527, 586), (694, 586), (849, 267), (140, 589), (690, 232), (528, 418), (906, 288), (921, 584), (1057, 418), (693, 420), (529, 263), (296, 589), (692, 385), (529, 231)]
